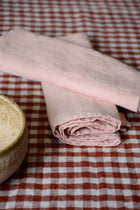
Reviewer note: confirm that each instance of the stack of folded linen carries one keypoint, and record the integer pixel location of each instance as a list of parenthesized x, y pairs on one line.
[(81, 86)]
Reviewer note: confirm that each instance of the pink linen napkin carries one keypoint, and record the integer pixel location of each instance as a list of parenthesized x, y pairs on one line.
[(71, 66), (81, 120)]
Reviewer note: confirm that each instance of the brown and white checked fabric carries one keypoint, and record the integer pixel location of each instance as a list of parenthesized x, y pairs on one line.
[(59, 176)]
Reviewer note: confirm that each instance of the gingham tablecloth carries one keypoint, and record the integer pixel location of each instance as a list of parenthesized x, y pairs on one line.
[(59, 176)]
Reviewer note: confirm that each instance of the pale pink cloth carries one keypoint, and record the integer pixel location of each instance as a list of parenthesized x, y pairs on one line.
[(71, 66), (81, 120)]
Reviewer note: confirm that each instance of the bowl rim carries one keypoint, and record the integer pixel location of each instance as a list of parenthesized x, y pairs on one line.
[(22, 117)]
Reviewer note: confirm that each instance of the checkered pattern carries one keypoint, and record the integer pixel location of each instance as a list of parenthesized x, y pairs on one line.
[(59, 176)]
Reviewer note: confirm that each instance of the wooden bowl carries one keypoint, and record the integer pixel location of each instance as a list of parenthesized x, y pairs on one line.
[(13, 137)]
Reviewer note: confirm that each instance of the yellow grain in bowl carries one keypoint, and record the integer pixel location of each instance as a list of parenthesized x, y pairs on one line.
[(13, 137)]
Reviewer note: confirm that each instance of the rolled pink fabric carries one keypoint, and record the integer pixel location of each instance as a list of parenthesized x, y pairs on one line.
[(71, 66), (81, 120)]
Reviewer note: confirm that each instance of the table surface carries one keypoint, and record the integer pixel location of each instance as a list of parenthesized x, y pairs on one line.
[(59, 176)]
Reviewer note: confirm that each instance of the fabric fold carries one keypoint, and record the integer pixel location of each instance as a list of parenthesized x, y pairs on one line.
[(75, 118), (71, 66), (81, 120)]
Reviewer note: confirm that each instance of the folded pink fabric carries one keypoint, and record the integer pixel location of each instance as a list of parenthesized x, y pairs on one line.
[(71, 66), (81, 120), (77, 119)]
